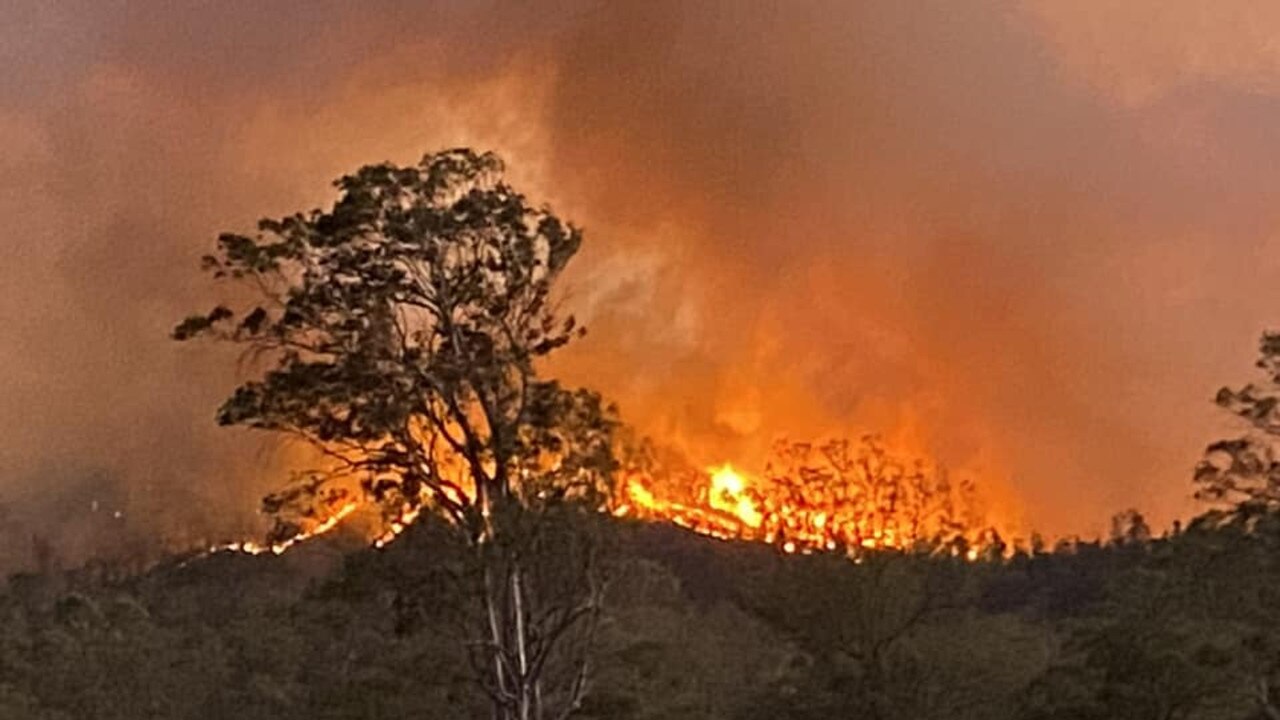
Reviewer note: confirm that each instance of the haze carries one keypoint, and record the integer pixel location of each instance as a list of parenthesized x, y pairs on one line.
[(1029, 239)]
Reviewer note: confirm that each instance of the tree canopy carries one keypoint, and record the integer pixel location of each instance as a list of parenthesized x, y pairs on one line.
[(1243, 473), (398, 332), (401, 328)]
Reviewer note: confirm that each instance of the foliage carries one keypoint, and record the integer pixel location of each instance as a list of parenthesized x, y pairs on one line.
[(1180, 627), (1243, 473), (399, 332)]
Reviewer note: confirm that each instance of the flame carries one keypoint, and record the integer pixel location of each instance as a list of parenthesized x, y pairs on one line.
[(856, 502), (280, 547), (729, 512), (727, 495), (397, 526), (736, 506), (392, 529)]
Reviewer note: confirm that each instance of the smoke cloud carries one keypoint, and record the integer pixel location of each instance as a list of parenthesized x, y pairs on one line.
[(1030, 240)]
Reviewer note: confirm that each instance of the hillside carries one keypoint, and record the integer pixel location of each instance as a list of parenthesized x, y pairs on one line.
[(695, 628)]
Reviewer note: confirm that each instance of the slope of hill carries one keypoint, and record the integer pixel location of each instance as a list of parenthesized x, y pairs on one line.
[(695, 628)]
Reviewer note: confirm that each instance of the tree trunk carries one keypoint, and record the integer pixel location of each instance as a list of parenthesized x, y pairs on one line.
[(524, 697), (496, 637)]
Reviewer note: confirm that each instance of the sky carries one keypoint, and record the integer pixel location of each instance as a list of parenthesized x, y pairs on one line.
[(1028, 239)]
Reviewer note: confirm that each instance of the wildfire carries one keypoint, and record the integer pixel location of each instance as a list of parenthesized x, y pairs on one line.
[(838, 495), (729, 512), (397, 526), (278, 548), (727, 495), (840, 499)]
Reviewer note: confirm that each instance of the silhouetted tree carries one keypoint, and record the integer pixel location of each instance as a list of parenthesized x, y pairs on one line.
[(1130, 527), (399, 331), (1243, 473)]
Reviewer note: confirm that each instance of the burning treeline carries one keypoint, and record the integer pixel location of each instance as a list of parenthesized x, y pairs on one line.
[(839, 494)]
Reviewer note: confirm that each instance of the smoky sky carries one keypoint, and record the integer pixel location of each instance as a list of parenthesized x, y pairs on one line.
[(1028, 239)]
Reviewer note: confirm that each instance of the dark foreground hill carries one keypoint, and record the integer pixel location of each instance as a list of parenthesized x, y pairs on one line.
[(1186, 627)]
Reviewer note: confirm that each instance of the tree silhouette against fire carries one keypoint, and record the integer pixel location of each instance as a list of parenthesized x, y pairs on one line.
[(399, 331)]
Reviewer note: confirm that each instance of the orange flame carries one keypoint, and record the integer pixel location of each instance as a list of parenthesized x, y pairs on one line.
[(278, 548), (727, 495), (397, 526), (737, 507), (854, 502)]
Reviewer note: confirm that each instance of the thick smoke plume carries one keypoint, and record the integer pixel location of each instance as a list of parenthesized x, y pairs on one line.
[(1030, 240)]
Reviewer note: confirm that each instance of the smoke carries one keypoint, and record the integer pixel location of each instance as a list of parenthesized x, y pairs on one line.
[(1030, 240)]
